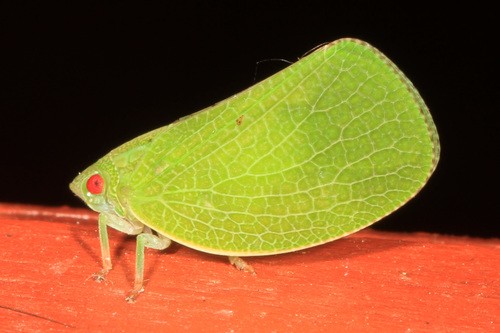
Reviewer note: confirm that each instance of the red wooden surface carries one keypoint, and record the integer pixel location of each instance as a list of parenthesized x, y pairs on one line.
[(369, 281)]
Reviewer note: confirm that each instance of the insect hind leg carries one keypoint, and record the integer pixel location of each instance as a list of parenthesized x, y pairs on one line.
[(241, 264)]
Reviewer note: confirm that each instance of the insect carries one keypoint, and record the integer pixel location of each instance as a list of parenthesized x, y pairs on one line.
[(322, 149)]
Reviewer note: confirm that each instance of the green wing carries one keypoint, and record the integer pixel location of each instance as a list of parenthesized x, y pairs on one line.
[(324, 148)]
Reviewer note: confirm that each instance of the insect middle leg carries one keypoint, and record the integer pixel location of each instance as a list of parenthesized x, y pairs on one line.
[(145, 239)]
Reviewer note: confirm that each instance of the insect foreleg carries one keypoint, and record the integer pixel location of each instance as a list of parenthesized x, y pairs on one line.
[(120, 224)]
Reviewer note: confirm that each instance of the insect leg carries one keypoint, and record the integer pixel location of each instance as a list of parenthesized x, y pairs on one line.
[(145, 239), (241, 264), (105, 253), (120, 224)]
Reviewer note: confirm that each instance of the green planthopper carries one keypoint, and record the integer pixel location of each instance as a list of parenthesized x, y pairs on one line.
[(324, 148)]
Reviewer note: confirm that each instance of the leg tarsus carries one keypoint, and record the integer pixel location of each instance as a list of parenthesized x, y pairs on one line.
[(241, 264), (134, 293), (101, 275)]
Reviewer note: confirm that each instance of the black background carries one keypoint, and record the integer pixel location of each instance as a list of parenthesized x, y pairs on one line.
[(80, 79)]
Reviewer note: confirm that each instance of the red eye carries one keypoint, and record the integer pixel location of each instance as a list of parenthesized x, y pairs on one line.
[(95, 184)]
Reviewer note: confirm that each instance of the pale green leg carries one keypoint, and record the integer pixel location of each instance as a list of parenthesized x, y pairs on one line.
[(119, 224), (146, 239), (105, 253), (241, 264)]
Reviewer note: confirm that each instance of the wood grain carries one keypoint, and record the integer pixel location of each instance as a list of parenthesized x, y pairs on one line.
[(369, 281)]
